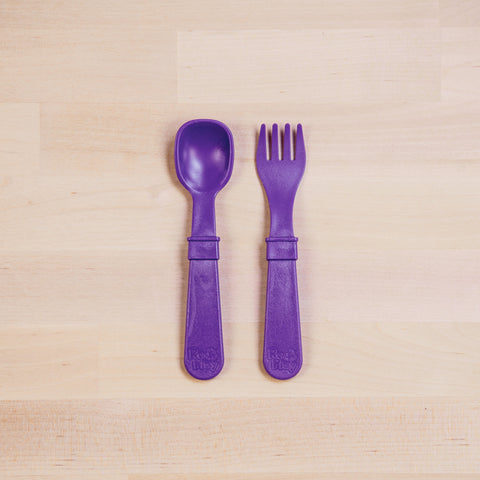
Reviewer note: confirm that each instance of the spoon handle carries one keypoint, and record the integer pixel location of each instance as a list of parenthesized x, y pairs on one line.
[(282, 350), (203, 356)]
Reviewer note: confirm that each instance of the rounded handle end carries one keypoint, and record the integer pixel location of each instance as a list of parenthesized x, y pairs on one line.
[(203, 364), (282, 365)]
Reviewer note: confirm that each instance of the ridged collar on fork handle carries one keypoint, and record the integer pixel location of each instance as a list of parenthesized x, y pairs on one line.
[(280, 176)]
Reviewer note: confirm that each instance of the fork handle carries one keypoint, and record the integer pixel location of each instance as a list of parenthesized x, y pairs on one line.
[(282, 348), (203, 356)]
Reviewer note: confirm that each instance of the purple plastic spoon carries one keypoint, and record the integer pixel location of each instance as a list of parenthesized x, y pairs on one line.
[(204, 162)]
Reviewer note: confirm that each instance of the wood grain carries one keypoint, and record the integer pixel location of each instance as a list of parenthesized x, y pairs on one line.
[(20, 140), (303, 66), (76, 64), (249, 476), (93, 264), (303, 476), (349, 435), (395, 286), (107, 359), (461, 64), (267, 14), (462, 13)]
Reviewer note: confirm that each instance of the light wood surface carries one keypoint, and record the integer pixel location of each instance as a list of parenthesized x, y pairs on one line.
[(93, 254)]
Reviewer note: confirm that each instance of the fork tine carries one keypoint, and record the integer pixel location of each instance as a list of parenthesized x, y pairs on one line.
[(287, 143), (299, 144), (262, 144), (274, 150)]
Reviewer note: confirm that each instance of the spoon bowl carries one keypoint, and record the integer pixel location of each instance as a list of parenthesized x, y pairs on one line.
[(204, 156)]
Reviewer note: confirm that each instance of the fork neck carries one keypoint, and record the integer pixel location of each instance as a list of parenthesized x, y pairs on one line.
[(281, 219)]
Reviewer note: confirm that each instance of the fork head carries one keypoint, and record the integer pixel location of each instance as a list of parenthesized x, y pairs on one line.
[(280, 174)]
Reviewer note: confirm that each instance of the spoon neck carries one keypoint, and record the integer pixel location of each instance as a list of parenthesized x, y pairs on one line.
[(203, 214)]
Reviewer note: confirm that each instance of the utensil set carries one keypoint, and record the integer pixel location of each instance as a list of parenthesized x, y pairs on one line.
[(204, 160)]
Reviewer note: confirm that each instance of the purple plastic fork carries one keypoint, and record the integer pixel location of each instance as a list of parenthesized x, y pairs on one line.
[(282, 348)]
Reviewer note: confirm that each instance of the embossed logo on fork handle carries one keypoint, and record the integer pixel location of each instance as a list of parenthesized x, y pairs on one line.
[(282, 351)]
